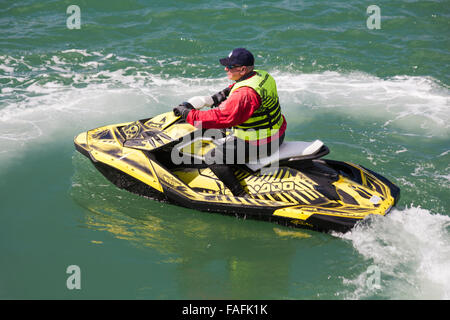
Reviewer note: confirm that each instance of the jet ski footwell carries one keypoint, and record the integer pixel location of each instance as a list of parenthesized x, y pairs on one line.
[(305, 191)]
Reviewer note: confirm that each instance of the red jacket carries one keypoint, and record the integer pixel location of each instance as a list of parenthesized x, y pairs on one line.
[(237, 109)]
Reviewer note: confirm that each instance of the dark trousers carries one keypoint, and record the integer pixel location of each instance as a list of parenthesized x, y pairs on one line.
[(233, 151)]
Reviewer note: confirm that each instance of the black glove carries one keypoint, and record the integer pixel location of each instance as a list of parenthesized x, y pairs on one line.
[(183, 110), (220, 96)]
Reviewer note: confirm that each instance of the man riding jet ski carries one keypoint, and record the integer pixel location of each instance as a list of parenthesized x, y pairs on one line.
[(250, 106), (250, 172)]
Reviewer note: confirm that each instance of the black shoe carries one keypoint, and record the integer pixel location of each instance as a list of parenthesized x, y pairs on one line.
[(238, 191), (226, 174)]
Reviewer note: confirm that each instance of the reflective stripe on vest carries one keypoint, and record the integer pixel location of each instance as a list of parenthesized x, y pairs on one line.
[(267, 119)]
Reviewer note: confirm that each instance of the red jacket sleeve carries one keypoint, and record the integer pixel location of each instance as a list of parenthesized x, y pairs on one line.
[(237, 109)]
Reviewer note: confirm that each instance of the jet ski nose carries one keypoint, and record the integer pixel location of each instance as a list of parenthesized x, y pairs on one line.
[(81, 144)]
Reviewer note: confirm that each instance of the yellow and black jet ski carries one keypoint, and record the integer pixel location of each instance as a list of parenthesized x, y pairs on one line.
[(301, 190)]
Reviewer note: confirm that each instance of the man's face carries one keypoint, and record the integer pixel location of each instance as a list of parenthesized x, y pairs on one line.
[(235, 72)]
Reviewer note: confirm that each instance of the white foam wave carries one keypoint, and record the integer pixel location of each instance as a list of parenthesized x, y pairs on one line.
[(83, 52), (416, 103), (410, 248), (49, 110)]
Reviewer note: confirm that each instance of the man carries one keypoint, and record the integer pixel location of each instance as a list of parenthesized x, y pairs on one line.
[(250, 107)]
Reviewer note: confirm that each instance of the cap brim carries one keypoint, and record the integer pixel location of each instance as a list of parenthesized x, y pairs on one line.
[(225, 61)]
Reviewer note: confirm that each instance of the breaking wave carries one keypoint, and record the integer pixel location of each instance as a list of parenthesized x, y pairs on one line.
[(411, 250)]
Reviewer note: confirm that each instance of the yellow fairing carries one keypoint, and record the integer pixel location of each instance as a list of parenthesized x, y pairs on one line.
[(108, 151), (373, 197)]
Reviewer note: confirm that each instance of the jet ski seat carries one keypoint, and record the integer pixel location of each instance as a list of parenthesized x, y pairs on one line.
[(298, 150)]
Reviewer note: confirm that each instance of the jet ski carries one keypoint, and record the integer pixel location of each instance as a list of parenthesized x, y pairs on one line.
[(295, 187)]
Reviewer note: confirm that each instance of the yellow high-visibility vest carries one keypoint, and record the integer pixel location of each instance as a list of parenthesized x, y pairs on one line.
[(267, 119)]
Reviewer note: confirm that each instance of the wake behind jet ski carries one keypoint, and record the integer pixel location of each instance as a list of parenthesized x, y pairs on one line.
[(302, 189)]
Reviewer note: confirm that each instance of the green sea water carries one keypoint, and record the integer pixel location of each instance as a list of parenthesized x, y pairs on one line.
[(376, 97)]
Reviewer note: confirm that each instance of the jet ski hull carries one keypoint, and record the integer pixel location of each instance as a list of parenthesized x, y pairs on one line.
[(313, 193)]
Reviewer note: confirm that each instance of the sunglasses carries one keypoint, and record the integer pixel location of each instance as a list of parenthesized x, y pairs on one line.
[(232, 67)]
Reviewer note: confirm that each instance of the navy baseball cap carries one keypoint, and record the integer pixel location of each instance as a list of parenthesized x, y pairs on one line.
[(238, 57)]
